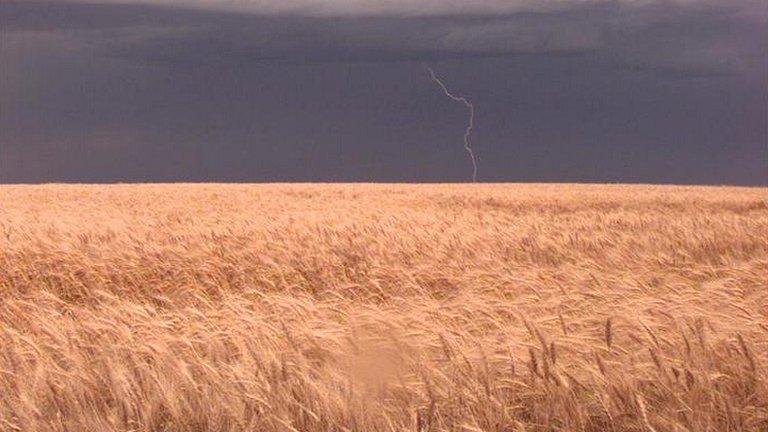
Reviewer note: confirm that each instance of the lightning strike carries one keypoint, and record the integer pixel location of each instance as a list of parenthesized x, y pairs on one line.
[(470, 126)]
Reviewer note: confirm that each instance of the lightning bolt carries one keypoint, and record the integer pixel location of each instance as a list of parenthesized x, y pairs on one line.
[(470, 126)]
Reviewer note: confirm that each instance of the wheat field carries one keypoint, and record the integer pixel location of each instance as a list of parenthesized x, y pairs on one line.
[(383, 308)]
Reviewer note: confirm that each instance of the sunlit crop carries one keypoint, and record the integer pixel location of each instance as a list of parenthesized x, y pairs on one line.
[(383, 308)]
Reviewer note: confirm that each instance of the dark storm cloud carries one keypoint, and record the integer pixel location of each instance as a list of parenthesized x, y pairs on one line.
[(155, 89), (402, 8), (674, 34)]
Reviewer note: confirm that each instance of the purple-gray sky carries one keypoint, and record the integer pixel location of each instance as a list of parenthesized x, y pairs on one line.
[(657, 91)]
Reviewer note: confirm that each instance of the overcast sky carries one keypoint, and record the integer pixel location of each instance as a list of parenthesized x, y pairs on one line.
[(667, 91)]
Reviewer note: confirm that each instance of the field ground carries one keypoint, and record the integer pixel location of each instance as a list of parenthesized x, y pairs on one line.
[(383, 308)]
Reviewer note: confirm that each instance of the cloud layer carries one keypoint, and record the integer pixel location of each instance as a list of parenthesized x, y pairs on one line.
[(705, 35), (329, 8), (104, 90)]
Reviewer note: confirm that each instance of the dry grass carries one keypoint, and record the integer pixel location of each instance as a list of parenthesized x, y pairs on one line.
[(383, 308)]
